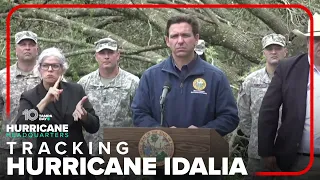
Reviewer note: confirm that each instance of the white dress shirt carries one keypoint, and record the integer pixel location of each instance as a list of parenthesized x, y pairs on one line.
[(305, 143)]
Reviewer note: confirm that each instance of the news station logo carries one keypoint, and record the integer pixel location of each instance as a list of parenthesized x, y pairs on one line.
[(41, 129), (32, 115)]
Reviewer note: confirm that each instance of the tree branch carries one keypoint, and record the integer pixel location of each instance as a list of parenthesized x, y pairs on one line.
[(94, 32), (46, 1), (86, 51), (167, 2), (60, 40), (185, 11), (266, 16), (79, 52), (198, 15), (145, 15), (225, 35), (221, 12), (210, 14), (139, 58), (3, 15), (123, 52), (147, 48), (6, 6), (110, 20), (42, 20), (88, 12), (150, 32)]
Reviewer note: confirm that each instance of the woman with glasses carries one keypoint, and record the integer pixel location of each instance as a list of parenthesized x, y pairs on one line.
[(56, 104)]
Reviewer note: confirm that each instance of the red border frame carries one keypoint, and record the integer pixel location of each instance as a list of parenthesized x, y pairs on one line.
[(277, 6)]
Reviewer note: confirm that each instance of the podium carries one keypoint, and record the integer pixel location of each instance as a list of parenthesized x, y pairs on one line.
[(188, 143)]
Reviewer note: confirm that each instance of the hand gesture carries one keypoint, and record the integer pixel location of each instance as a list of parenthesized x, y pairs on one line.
[(80, 112), (53, 93)]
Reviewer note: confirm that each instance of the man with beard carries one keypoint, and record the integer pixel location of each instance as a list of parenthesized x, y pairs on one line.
[(252, 92), (110, 90), (22, 77)]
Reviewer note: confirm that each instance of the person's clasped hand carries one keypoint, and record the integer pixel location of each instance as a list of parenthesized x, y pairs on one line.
[(80, 112)]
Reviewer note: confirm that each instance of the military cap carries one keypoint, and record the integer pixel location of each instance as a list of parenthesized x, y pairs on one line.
[(273, 39), (106, 43), (26, 35)]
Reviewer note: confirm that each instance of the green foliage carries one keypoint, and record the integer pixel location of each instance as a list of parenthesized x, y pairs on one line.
[(143, 28)]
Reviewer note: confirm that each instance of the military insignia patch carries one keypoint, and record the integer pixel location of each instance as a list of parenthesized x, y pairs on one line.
[(156, 143), (199, 84)]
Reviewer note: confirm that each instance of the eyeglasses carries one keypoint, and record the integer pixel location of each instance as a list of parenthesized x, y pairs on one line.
[(54, 67)]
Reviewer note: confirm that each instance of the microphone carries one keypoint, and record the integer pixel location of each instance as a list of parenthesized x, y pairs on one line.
[(166, 89)]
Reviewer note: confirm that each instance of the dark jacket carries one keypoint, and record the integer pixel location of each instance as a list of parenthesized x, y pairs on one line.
[(289, 88), (202, 98), (61, 113)]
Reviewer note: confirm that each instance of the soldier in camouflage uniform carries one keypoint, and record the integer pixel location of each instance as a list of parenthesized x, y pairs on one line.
[(110, 90), (22, 77), (252, 92)]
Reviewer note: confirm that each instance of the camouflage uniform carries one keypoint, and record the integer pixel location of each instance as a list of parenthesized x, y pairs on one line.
[(250, 97), (111, 103), (19, 83), (110, 99), (249, 102)]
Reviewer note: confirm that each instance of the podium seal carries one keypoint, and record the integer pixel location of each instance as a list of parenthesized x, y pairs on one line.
[(156, 143)]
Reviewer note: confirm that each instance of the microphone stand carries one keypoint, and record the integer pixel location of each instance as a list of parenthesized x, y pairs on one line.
[(165, 91), (161, 114)]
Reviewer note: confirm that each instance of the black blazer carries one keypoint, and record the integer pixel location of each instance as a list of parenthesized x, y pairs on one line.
[(61, 114), (289, 88)]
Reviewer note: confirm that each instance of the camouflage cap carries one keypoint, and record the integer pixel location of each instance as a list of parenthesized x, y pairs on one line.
[(273, 39), (106, 43), (26, 35), (200, 47)]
